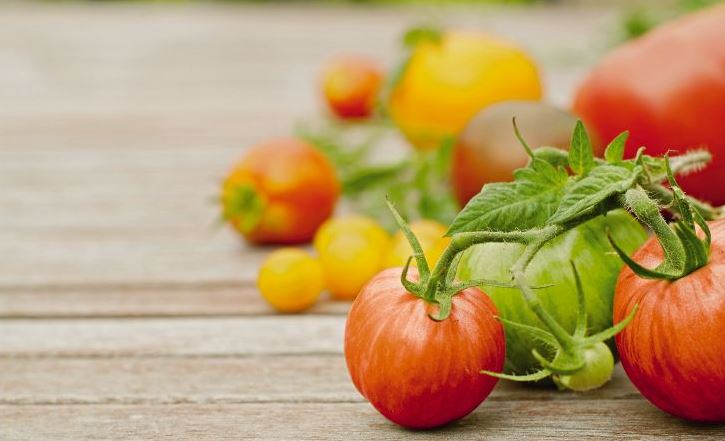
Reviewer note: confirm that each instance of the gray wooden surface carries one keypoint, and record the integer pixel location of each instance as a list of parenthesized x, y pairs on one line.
[(124, 313)]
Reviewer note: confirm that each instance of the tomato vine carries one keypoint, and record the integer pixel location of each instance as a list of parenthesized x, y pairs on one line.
[(555, 193)]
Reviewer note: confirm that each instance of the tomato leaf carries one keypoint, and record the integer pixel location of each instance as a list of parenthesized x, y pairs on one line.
[(527, 202), (416, 35), (581, 156), (553, 155), (615, 150), (603, 182)]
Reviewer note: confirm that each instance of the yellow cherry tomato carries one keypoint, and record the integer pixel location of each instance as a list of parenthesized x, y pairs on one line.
[(291, 280), (447, 81), (430, 235), (352, 250)]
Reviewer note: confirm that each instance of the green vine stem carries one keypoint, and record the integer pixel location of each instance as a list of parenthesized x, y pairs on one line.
[(595, 187)]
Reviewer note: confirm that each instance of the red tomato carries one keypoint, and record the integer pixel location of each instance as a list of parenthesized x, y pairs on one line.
[(351, 85), (668, 89), (487, 150), (280, 192), (674, 350), (417, 372)]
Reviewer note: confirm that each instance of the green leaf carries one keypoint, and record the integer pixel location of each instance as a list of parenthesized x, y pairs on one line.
[(615, 150), (532, 332), (506, 206), (419, 34), (553, 155), (363, 179), (581, 156), (603, 182)]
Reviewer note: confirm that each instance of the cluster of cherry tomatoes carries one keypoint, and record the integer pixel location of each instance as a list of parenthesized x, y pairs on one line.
[(350, 250)]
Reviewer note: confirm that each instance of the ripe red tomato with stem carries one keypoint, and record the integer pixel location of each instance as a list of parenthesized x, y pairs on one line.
[(674, 350), (416, 359), (668, 89), (280, 192)]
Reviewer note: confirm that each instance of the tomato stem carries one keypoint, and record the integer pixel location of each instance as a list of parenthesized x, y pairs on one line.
[(562, 337), (683, 251)]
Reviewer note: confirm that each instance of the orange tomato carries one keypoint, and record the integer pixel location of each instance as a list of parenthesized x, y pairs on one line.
[(280, 192), (350, 86)]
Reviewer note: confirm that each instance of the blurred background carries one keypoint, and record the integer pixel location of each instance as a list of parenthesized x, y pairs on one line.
[(120, 119)]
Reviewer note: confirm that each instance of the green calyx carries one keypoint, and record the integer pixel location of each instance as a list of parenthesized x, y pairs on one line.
[(683, 250), (422, 288), (580, 361), (243, 206)]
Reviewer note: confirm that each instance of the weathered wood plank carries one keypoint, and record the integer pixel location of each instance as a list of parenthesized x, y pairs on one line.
[(220, 381), (569, 419), (294, 334), (145, 300)]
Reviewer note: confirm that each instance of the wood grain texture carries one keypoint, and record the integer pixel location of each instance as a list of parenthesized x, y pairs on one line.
[(253, 379), (568, 419), (181, 299), (293, 334)]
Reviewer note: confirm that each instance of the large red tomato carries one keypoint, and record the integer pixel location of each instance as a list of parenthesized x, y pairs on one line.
[(668, 89), (280, 192), (418, 372), (674, 348)]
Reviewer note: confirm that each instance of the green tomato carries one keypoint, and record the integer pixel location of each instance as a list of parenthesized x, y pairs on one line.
[(598, 265), (597, 370)]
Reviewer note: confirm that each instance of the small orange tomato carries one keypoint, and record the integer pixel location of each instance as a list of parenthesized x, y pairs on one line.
[(280, 192), (350, 85)]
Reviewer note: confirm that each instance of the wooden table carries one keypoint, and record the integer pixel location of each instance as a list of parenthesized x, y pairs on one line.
[(124, 312)]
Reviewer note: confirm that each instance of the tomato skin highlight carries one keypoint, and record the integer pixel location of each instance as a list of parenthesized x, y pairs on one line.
[(351, 85), (417, 372), (598, 266), (295, 184), (668, 89), (674, 350)]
